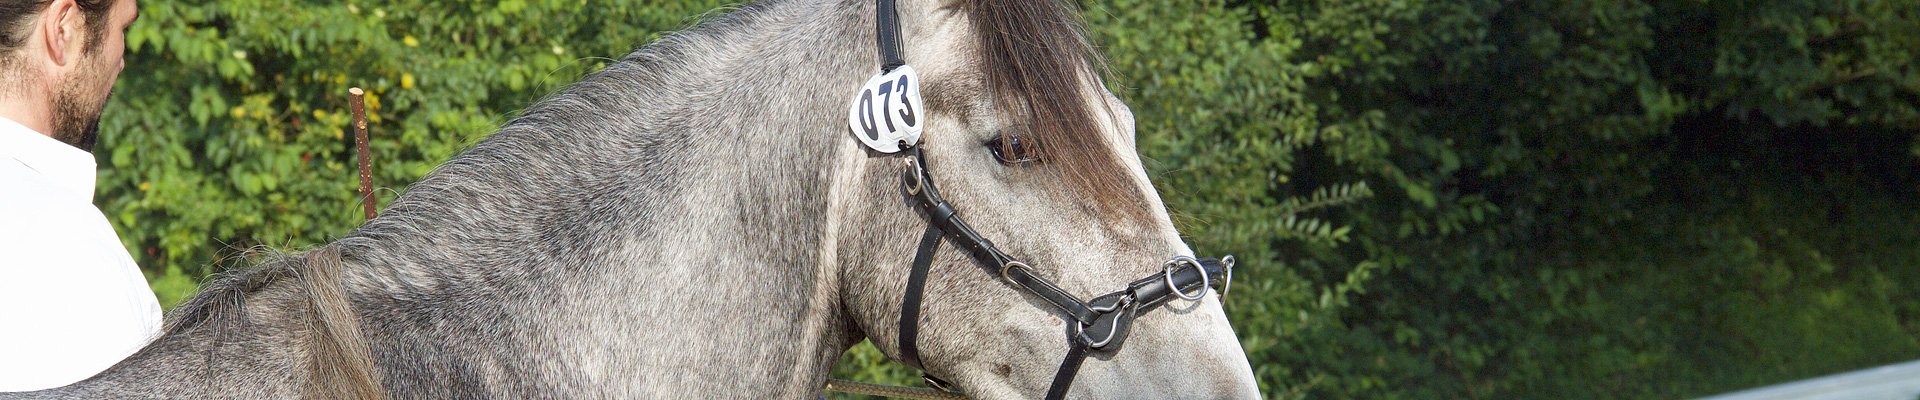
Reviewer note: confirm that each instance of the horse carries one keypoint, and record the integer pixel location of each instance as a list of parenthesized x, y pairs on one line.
[(697, 219)]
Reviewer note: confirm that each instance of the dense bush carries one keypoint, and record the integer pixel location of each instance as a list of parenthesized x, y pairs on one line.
[(1603, 199), (1430, 199), (229, 128)]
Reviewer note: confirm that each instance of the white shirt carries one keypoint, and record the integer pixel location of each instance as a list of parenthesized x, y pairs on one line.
[(72, 303)]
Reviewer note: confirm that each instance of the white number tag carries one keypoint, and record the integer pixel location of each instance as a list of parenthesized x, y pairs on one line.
[(888, 111)]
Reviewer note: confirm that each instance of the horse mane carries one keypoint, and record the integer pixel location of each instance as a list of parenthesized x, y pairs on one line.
[(338, 357), (339, 361), (1036, 58)]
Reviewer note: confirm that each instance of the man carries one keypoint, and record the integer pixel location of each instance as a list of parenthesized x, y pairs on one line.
[(72, 303)]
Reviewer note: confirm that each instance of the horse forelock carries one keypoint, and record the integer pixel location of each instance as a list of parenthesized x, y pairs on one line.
[(1038, 65)]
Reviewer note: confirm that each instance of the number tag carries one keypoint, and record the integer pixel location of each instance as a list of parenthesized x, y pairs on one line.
[(888, 111)]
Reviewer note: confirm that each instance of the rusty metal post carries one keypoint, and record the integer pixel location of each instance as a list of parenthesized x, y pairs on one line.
[(357, 101)]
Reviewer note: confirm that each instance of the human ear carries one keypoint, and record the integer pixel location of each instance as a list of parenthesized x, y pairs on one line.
[(62, 28)]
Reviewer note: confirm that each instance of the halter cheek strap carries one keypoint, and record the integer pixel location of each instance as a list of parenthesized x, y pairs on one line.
[(887, 35)]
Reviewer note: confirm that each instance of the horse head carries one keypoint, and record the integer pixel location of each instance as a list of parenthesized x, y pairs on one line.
[(1022, 142), (697, 219)]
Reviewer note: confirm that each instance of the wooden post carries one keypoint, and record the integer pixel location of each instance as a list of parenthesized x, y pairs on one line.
[(357, 101)]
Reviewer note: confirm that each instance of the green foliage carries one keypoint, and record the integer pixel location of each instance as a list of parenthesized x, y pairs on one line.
[(229, 128), (865, 363), (1597, 199), (1225, 122), (1428, 199), (1607, 199)]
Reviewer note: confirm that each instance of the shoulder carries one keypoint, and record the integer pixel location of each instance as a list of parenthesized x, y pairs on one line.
[(41, 227), (28, 200), (20, 184)]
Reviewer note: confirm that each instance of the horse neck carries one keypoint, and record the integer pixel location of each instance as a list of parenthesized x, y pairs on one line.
[(658, 227)]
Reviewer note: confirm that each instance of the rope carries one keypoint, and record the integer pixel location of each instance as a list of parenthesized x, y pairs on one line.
[(902, 392)]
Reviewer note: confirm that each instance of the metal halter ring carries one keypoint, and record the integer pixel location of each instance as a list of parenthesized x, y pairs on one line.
[(913, 178), (1196, 265), (1226, 263), (1012, 265)]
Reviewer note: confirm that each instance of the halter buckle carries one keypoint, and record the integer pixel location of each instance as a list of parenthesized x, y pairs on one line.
[(1009, 278)]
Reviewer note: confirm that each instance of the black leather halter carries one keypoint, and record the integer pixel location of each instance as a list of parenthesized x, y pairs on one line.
[(1100, 324), (1097, 325)]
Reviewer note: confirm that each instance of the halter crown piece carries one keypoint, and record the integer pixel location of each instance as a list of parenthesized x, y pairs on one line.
[(887, 113), (1097, 325)]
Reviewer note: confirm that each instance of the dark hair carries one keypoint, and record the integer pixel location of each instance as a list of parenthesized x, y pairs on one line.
[(14, 15), (1035, 54)]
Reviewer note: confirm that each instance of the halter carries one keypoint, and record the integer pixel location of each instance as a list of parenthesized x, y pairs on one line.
[(1097, 325)]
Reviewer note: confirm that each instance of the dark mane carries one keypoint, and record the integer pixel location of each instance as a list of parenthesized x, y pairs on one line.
[(1036, 56), (338, 359)]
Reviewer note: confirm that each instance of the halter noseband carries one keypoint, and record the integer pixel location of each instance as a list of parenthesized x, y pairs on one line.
[(1100, 324)]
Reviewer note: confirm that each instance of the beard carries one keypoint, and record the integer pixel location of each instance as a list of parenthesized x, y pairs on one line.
[(77, 108)]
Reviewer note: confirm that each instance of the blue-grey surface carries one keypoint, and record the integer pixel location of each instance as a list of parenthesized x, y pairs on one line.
[(1898, 381)]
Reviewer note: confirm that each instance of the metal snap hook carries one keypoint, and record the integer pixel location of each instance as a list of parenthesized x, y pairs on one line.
[(1102, 342), (1176, 288), (1226, 263), (1225, 283), (1117, 311)]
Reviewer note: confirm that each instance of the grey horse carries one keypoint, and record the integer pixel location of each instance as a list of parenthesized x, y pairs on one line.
[(696, 220)]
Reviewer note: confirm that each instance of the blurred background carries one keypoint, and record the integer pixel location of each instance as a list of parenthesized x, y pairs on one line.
[(1429, 199)]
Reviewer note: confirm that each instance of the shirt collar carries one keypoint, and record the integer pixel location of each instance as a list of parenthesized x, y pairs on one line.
[(68, 167)]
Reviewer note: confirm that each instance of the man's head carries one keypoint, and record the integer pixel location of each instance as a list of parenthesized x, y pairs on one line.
[(59, 60)]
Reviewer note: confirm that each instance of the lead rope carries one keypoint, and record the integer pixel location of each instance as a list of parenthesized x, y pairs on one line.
[(903, 392)]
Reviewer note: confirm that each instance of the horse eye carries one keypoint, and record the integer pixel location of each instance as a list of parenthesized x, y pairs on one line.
[(1011, 149)]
